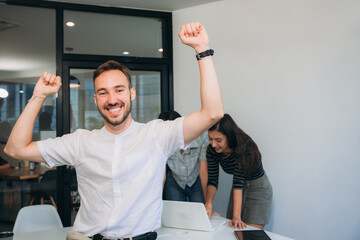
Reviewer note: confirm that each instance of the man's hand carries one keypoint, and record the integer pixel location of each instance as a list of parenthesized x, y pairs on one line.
[(215, 213), (195, 36), (208, 210), (48, 84)]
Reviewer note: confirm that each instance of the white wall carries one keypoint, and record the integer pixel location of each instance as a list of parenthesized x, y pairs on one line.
[(290, 76)]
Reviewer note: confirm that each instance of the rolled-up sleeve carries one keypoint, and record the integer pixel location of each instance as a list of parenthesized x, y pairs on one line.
[(238, 178)]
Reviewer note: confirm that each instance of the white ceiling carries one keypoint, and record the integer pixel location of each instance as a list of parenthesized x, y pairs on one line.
[(159, 5)]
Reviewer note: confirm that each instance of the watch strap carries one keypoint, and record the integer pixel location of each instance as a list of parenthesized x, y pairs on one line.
[(206, 53)]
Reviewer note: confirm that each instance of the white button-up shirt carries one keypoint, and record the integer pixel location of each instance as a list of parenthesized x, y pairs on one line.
[(119, 176)]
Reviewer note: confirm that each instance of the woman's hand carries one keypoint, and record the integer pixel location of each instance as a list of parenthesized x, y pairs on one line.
[(237, 223)]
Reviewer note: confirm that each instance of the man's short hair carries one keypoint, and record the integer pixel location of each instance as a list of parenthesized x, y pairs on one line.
[(112, 65)]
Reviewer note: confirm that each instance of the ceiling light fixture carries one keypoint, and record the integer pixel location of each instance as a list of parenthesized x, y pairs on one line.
[(161, 50), (74, 82), (126, 53), (70, 24), (3, 93)]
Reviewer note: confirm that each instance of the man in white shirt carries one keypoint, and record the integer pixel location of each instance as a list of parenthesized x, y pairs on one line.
[(120, 167)]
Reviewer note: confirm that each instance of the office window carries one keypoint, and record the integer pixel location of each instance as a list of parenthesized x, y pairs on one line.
[(109, 34), (27, 49)]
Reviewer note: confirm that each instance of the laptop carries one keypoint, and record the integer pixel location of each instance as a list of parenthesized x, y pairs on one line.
[(189, 215)]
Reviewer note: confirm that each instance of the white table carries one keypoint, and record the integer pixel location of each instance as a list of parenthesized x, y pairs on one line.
[(224, 233)]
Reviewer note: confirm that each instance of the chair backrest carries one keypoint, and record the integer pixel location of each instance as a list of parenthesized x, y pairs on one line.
[(37, 218), (49, 175)]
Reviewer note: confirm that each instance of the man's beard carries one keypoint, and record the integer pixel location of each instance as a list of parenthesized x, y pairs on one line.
[(115, 123)]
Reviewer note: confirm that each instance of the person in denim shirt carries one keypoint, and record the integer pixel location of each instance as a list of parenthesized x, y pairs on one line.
[(186, 171)]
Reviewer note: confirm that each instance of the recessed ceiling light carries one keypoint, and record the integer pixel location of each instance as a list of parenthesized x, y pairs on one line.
[(126, 53), (70, 24), (3, 93), (161, 50)]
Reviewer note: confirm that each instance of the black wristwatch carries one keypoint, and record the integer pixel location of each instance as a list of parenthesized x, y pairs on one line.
[(206, 53)]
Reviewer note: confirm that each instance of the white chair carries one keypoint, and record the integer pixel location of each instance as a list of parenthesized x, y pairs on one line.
[(37, 218)]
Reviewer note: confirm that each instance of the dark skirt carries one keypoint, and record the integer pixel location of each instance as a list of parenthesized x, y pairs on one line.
[(256, 201)]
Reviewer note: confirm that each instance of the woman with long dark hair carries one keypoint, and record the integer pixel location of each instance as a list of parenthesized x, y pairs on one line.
[(238, 155)]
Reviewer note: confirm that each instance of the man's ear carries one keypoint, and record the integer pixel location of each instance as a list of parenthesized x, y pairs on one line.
[(132, 93), (95, 99)]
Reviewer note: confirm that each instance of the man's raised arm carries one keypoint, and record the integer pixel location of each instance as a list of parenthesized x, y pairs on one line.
[(195, 35), (20, 145)]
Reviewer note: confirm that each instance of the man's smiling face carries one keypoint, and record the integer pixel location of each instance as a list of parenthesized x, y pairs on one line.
[(113, 99)]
